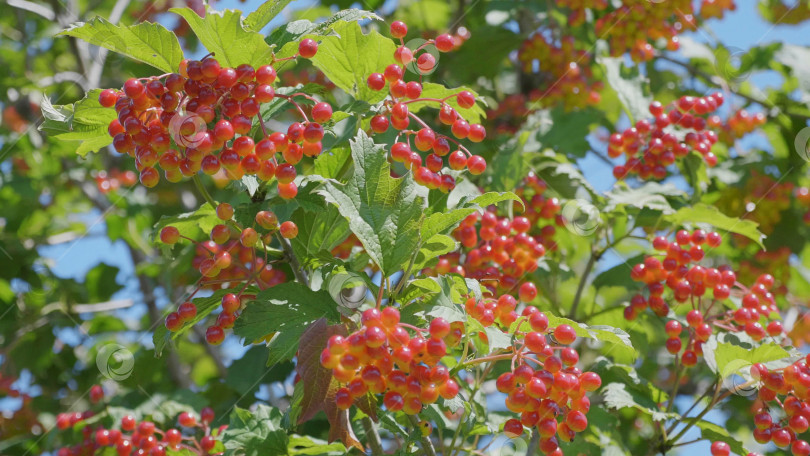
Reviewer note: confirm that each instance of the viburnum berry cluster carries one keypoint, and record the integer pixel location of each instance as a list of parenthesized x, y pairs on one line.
[(381, 357), (788, 391), (234, 255), (202, 118), (634, 26), (563, 72), (675, 130), (544, 384), (503, 251), (396, 114), (738, 125), (689, 283), (194, 436)]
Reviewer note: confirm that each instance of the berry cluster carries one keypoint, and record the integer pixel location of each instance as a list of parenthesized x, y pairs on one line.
[(201, 118), (563, 72), (382, 357), (792, 382), (142, 438), (652, 145), (396, 114), (234, 255), (775, 262), (689, 282), (738, 125), (543, 386), (637, 24), (503, 251)]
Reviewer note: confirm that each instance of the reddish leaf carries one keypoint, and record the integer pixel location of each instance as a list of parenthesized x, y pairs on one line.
[(368, 405), (319, 385)]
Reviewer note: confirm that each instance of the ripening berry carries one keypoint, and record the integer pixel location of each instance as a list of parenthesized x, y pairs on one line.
[(307, 48), (528, 291), (187, 310), (426, 62), (173, 322), (376, 81), (465, 99), (107, 98), (288, 230), (321, 112), (439, 328), (169, 235), (445, 43), (399, 29), (565, 334), (513, 428), (96, 394), (476, 164), (214, 335), (224, 211), (186, 419), (477, 133)]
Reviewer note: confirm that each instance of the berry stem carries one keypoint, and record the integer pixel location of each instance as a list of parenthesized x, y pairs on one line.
[(581, 287), (373, 437), (203, 191), (299, 273), (427, 445)]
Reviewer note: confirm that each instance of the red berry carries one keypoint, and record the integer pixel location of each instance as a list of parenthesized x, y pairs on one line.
[(565, 334), (307, 48), (398, 29)]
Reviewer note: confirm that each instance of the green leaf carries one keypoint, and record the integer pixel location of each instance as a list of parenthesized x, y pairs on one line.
[(286, 38), (727, 358), (716, 433), (222, 33), (472, 115), (318, 233), (256, 433), (630, 85), (195, 225), (618, 396), (702, 213), (564, 131), (146, 42), (305, 446), (349, 57), (86, 121), (330, 163), (437, 245), (509, 164), (651, 195), (265, 13), (383, 212), (286, 309)]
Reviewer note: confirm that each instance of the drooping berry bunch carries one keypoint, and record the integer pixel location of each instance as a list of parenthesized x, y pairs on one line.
[(636, 25), (500, 309), (774, 262), (201, 119), (382, 358), (544, 384), (395, 113), (738, 125), (234, 256), (788, 391), (653, 145), (679, 279), (563, 72), (143, 438), (502, 251)]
